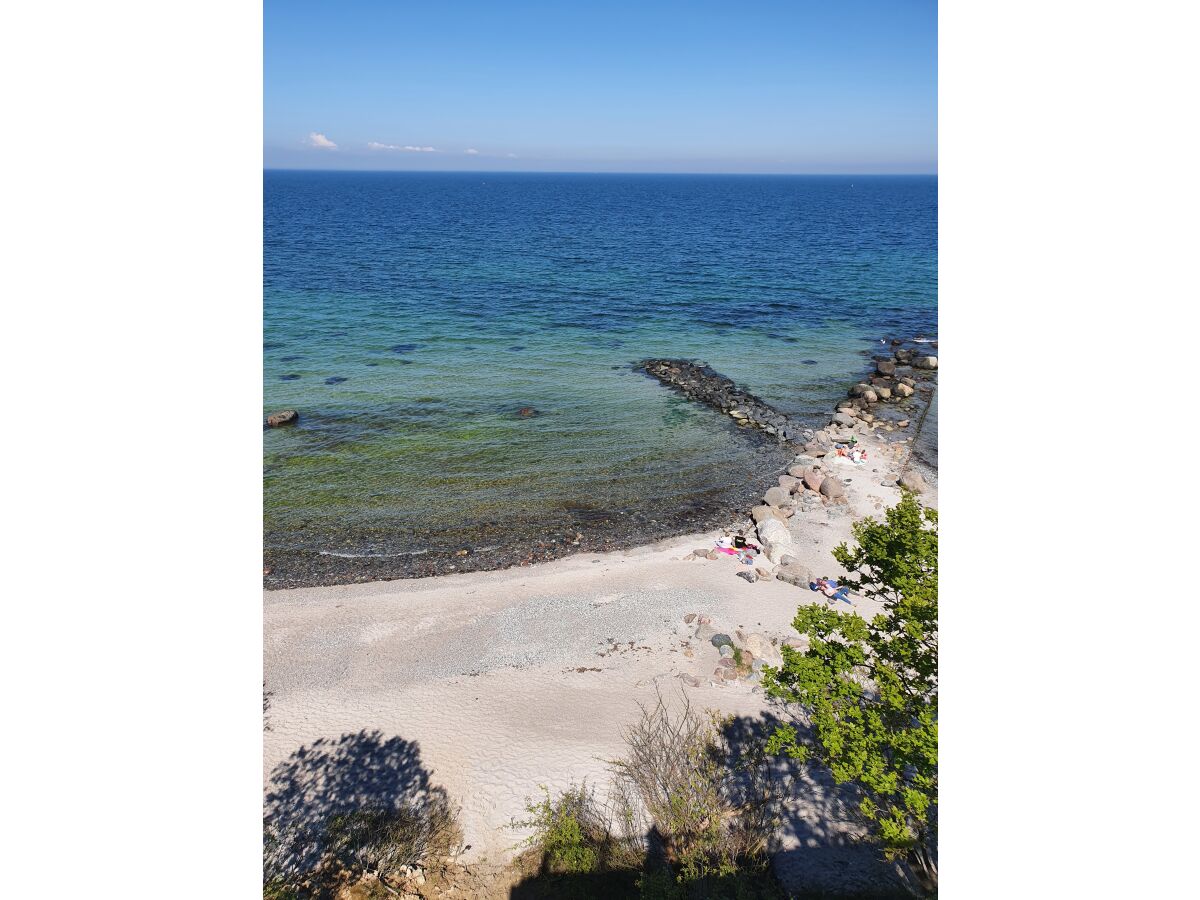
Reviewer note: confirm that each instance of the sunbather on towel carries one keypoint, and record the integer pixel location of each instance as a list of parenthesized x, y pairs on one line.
[(830, 589)]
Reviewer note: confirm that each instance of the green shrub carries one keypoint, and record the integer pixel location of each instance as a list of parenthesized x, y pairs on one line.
[(566, 831)]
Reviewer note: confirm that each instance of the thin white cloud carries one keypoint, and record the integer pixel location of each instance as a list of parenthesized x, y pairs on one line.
[(471, 151), (315, 139), (408, 148)]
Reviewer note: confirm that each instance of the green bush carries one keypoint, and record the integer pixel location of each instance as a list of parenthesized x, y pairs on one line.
[(567, 831)]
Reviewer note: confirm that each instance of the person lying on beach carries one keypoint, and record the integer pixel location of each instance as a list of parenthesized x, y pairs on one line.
[(830, 589)]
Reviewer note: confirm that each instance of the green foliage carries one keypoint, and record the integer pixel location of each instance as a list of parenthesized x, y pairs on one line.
[(869, 689), (277, 888), (564, 831), (753, 882)]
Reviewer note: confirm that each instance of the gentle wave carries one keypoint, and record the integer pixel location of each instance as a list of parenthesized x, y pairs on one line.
[(371, 555)]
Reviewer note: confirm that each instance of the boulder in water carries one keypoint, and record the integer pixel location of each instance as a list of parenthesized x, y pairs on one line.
[(286, 417)]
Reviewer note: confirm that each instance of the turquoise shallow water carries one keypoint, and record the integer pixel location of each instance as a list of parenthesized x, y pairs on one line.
[(409, 316)]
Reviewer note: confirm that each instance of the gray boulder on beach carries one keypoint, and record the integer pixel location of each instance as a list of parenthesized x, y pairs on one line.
[(886, 367), (761, 648), (764, 512), (925, 362), (832, 488), (903, 390), (775, 539), (794, 573), (913, 481), (813, 479), (775, 496)]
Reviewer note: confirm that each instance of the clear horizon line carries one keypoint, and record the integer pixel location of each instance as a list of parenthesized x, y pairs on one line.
[(605, 172)]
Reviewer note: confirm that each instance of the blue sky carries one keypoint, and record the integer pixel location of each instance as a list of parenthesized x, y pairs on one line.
[(800, 86)]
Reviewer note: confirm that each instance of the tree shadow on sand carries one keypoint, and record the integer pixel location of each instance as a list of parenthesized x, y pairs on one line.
[(337, 777), (822, 850)]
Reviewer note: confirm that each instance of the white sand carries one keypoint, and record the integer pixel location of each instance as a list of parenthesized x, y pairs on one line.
[(481, 669)]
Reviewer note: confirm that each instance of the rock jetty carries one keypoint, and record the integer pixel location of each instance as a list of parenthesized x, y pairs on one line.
[(699, 382)]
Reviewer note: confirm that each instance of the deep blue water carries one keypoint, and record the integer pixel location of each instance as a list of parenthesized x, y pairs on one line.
[(409, 315)]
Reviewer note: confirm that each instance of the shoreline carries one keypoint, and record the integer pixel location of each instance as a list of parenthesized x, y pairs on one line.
[(621, 530), (495, 682)]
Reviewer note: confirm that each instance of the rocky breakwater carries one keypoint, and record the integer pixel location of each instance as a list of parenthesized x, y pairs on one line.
[(699, 382), (889, 400)]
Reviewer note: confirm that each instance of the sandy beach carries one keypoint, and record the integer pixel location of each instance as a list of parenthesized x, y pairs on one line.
[(493, 683)]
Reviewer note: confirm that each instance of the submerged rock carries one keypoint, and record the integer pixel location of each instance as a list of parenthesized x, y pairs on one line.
[(286, 417)]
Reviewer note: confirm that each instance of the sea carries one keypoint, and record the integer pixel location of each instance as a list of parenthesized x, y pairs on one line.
[(460, 348)]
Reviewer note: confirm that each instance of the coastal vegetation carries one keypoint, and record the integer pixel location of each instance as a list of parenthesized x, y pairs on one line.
[(866, 692), (691, 813)]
